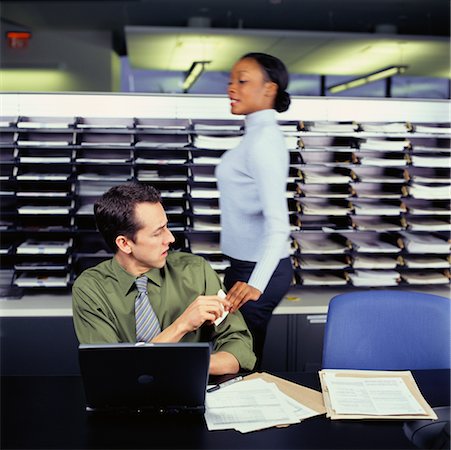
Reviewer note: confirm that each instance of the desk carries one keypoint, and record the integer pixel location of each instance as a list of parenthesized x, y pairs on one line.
[(48, 412)]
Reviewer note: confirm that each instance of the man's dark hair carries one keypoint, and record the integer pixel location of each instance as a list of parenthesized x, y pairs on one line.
[(115, 210)]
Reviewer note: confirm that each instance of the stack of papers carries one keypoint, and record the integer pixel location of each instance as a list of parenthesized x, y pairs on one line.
[(323, 279), (423, 278), (431, 129), (373, 278), (374, 262), (365, 394), (428, 224), (260, 401), (372, 243), (425, 243), (383, 145), (417, 190), (430, 262), (215, 142), (401, 127), (324, 175), (431, 161), (320, 244)]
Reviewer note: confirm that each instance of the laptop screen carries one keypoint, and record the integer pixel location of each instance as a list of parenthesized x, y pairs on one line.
[(157, 377)]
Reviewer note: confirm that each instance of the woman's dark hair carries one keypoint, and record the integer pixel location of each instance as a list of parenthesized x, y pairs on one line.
[(276, 72), (115, 210)]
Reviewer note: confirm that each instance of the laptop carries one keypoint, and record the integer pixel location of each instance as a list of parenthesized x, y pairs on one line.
[(145, 377)]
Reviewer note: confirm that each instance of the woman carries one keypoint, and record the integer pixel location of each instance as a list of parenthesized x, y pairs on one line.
[(252, 182)]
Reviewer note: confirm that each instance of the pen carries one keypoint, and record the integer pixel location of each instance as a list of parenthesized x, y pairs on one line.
[(226, 383)]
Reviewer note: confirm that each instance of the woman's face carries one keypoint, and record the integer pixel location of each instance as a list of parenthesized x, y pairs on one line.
[(248, 89)]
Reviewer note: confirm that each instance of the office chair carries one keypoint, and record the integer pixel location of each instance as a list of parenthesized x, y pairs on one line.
[(387, 330)]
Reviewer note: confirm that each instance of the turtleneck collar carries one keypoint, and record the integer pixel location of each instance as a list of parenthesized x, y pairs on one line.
[(258, 118)]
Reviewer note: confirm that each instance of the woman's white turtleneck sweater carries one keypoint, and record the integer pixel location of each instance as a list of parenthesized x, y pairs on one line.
[(252, 180)]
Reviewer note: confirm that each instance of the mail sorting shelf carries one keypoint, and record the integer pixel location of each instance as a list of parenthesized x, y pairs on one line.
[(367, 198)]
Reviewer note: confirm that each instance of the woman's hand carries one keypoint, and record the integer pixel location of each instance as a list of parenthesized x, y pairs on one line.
[(240, 293)]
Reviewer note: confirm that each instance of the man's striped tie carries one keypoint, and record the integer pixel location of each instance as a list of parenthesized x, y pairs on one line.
[(147, 325)]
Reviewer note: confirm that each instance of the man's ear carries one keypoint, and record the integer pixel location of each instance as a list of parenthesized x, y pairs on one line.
[(123, 244)]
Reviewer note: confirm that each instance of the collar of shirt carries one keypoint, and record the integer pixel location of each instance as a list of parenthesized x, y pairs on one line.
[(258, 118), (127, 281)]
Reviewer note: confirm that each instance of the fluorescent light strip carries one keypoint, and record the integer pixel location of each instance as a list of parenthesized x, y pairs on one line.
[(375, 76), (193, 74)]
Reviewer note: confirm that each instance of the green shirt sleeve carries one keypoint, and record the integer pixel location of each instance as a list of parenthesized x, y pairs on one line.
[(232, 334), (94, 318)]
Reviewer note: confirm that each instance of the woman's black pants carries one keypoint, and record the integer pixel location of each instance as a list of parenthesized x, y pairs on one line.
[(258, 313)]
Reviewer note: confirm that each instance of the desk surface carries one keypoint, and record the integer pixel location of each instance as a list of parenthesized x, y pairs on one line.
[(48, 412)]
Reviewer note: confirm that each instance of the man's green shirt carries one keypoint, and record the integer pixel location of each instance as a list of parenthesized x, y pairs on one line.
[(103, 300)]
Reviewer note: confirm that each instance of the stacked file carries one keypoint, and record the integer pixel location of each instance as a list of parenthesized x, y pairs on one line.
[(373, 243), (396, 127), (331, 127), (206, 160), (427, 262), (419, 207), (323, 279), (260, 401), (378, 159), (217, 142), (379, 174), (428, 224), (119, 123), (173, 125), (320, 244), (30, 279), (325, 175), (427, 192), (425, 243), (166, 141), (431, 161), (370, 207), (307, 262), (377, 223), (372, 394), (41, 247), (217, 127), (323, 190), (316, 206), (206, 225), (372, 278), (377, 190), (425, 278), (374, 262), (106, 140), (197, 192), (205, 245), (385, 145), (429, 175), (433, 129)]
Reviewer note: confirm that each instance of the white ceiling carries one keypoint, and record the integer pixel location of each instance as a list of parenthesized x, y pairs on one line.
[(304, 52)]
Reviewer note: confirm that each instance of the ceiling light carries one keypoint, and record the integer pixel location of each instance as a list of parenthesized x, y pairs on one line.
[(193, 74), (375, 76)]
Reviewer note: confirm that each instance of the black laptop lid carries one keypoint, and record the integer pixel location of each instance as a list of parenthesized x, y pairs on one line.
[(159, 377)]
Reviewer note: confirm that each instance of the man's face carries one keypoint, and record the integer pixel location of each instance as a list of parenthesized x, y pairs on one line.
[(151, 244)]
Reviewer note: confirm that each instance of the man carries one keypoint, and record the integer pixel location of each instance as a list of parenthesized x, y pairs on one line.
[(181, 287)]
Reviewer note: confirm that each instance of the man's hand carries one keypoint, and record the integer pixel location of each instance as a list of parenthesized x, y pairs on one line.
[(240, 293), (206, 308)]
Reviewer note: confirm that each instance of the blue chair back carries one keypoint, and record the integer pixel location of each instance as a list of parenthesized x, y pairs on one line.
[(387, 330)]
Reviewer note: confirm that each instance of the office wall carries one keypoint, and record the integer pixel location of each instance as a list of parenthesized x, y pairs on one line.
[(61, 61)]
